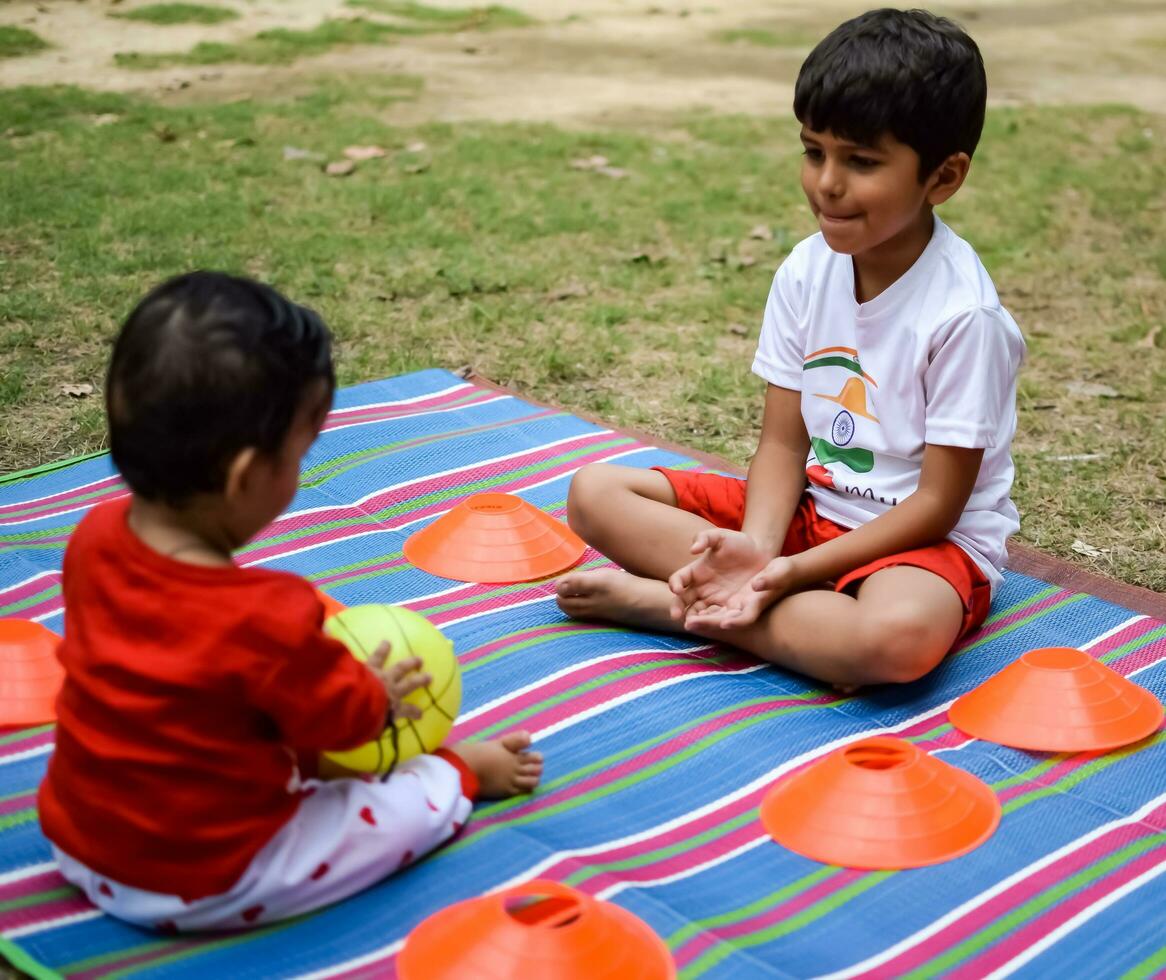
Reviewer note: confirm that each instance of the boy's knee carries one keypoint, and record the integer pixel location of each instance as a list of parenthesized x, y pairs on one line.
[(900, 644), (590, 487)]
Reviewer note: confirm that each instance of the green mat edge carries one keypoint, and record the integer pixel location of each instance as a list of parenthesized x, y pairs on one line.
[(60, 464), (22, 961)]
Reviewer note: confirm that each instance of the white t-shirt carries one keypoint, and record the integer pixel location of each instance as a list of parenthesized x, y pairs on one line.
[(931, 359)]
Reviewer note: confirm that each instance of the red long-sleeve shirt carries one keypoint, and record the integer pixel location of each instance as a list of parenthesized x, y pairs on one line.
[(187, 691)]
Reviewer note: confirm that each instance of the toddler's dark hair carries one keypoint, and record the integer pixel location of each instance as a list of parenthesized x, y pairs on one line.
[(205, 366), (906, 72)]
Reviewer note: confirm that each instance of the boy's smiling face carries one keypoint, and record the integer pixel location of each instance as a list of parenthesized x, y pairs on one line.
[(866, 198)]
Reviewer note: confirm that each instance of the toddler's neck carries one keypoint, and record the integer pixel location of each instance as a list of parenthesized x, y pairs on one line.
[(191, 534)]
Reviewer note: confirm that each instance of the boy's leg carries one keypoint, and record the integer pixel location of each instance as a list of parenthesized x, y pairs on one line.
[(901, 624), (631, 516), (898, 628)]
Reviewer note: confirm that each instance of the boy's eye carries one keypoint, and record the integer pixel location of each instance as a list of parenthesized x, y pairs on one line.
[(864, 162), (812, 152)]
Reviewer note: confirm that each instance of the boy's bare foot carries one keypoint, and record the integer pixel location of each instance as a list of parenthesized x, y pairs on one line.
[(502, 765), (618, 596)]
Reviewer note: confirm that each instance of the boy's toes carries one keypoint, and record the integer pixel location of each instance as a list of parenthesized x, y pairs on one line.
[(567, 586)]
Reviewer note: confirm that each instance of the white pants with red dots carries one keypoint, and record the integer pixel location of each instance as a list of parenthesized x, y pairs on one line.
[(345, 836)]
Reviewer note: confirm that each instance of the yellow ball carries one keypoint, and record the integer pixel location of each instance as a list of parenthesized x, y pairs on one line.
[(362, 629)]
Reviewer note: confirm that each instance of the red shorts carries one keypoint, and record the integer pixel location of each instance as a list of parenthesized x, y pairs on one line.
[(721, 501)]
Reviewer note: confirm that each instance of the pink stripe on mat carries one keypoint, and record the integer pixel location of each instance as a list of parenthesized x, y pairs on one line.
[(345, 515), (342, 417), (1017, 894), (65, 497), (597, 696), (31, 915), (34, 884), (630, 766), (1015, 944), (706, 939), (26, 744)]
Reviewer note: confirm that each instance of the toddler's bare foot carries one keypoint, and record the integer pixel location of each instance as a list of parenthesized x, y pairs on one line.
[(611, 594), (502, 765)]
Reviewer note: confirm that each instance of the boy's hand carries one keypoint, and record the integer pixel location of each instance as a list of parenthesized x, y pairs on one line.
[(399, 680), (727, 561), (764, 589)]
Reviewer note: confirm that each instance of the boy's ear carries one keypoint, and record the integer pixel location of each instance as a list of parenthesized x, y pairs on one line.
[(240, 473), (948, 177)]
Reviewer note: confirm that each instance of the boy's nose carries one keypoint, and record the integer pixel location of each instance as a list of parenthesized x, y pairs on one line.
[(830, 180)]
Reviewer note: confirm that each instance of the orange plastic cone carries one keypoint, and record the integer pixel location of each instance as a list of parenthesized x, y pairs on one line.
[(30, 675), (540, 929), (1058, 699), (494, 537), (880, 803)]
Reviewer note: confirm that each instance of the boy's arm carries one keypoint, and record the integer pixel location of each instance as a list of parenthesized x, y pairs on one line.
[(777, 473), (946, 481)]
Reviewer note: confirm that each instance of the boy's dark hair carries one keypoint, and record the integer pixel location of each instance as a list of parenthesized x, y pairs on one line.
[(205, 366), (906, 72)]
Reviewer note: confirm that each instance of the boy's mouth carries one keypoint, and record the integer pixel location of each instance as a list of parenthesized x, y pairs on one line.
[(835, 219)]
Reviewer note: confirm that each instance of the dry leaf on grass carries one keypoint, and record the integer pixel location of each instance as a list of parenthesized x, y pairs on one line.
[(77, 391), (417, 167), (363, 152), (340, 168), (589, 163), (1090, 551), (1149, 340), (1091, 389), (416, 146), (1079, 457), (105, 119), (762, 233), (739, 329), (296, 153), (615, 173)]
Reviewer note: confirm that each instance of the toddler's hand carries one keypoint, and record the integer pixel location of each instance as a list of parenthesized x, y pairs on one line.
[(399, 680)]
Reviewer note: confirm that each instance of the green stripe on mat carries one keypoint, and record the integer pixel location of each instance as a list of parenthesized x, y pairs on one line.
[(976, 943), (792, 890), (23, 734), (1148, 967), (839, 898), (711, 957), (1138, 641)]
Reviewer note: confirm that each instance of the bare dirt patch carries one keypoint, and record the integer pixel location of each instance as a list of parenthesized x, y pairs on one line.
[(606, 60)]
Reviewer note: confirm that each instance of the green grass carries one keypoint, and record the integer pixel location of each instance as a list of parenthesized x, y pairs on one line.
[(279, 45), (448, 18), (284, 45), (178, 13), (15, 41), (456, 266), (767, 38)]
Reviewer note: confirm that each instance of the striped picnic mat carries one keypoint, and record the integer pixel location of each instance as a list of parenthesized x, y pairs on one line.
[(658, 748)]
